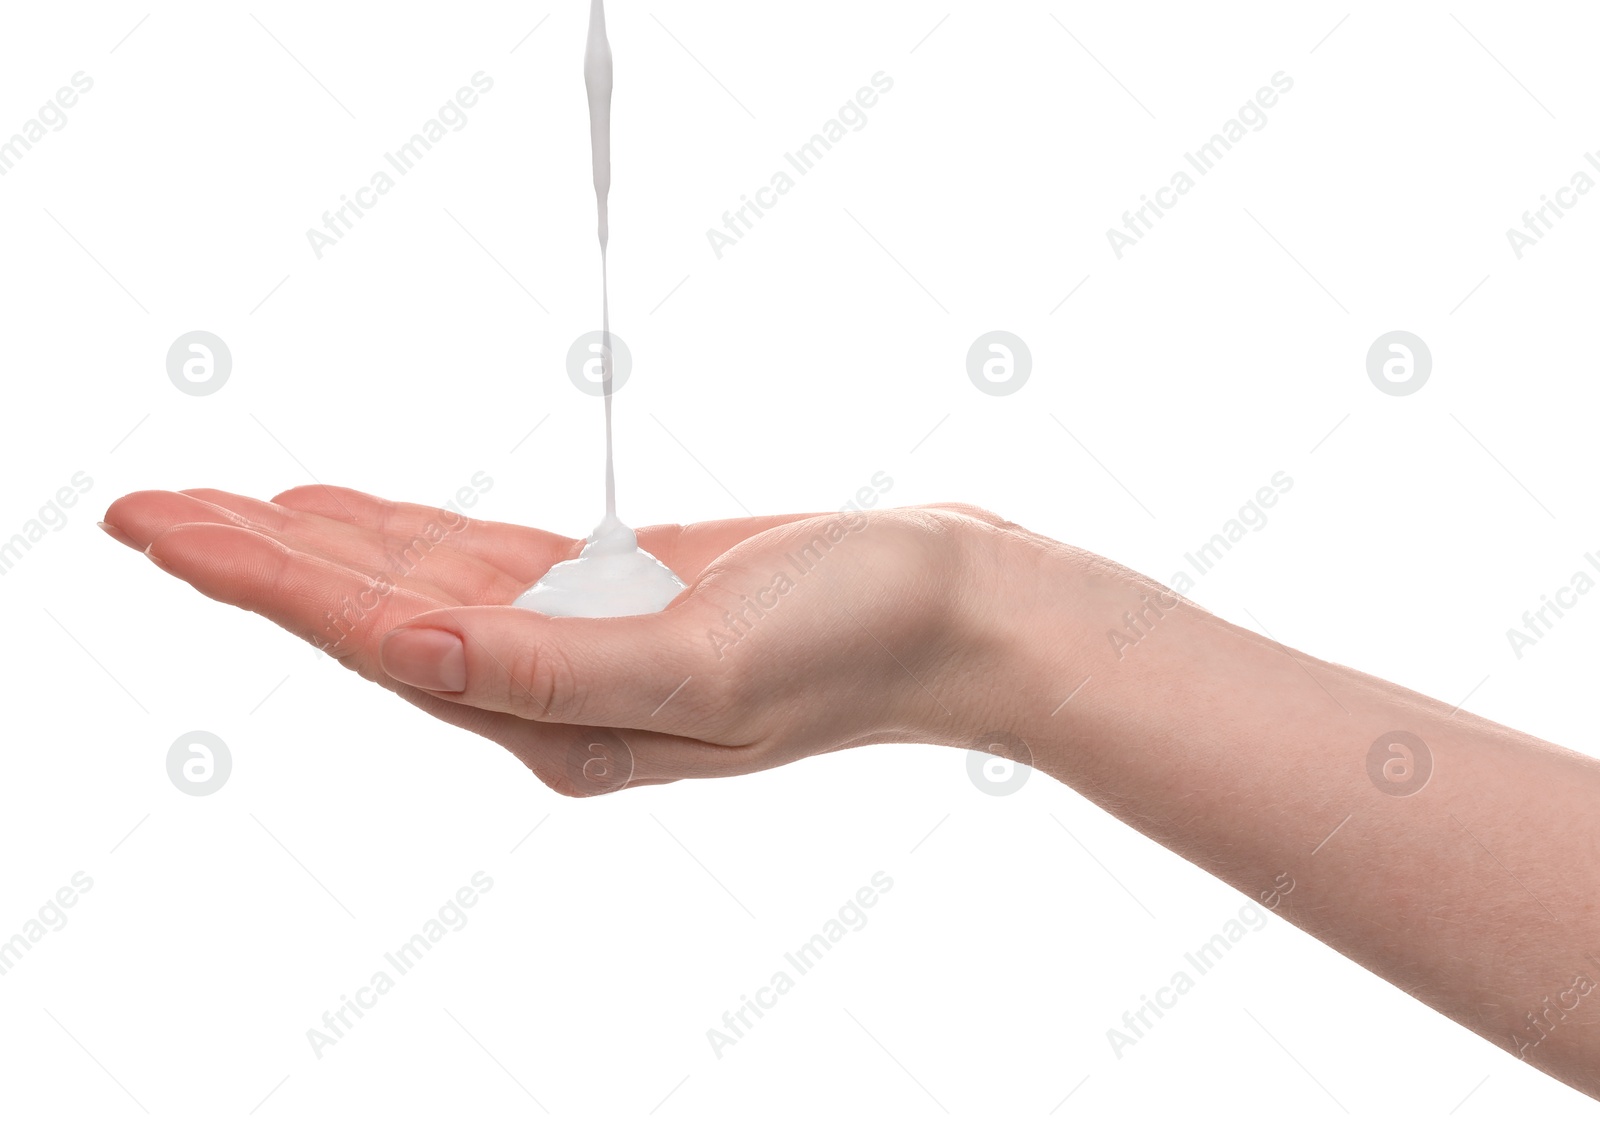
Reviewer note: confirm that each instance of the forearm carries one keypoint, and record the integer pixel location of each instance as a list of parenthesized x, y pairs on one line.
[(1473, 892)]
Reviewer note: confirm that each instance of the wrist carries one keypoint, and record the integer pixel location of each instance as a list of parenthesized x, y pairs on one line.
[(1058, 649), (1019, 626)]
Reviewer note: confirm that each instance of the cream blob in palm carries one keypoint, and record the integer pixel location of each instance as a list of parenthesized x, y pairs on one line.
[(612, 576)]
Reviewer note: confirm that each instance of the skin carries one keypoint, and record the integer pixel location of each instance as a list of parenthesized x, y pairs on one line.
[(1464, 875)]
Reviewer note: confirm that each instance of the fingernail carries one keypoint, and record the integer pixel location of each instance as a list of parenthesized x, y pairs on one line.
[(119, 536), (156, 560), (426, 658)]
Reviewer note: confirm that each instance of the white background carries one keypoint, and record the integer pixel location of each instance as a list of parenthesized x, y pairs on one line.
[(826, 346)]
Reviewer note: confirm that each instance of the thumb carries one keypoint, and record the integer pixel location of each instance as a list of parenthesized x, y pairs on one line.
[(656, 672)]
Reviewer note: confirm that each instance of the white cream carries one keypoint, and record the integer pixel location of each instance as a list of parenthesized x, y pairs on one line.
[(597, 84), (612, 576)]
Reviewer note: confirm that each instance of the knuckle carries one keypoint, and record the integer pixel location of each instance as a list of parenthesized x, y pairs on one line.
[(542, 683), (525, 693)]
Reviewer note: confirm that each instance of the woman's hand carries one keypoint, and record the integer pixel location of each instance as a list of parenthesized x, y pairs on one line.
[(798, 634), (808, 633)]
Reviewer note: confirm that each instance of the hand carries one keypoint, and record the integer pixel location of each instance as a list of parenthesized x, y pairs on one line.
[(798, 634), (807, 633)]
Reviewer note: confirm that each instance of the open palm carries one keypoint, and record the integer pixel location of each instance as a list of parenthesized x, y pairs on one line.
[(706, 687)]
